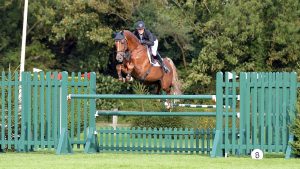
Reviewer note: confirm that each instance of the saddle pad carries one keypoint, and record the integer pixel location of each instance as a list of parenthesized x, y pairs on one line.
[(156, 64)]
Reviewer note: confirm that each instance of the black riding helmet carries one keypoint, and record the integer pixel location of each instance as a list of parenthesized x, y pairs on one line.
[(140, 25)]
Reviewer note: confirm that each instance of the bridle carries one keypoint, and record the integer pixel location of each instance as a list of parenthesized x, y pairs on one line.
[(121, 52)]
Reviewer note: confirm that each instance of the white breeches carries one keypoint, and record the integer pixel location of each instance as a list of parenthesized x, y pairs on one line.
[(154, 48)]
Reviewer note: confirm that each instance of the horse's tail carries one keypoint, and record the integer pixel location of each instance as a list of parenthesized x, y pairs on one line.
[(176, 84)]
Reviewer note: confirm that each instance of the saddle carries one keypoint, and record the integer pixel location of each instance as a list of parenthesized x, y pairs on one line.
[(151, 58)]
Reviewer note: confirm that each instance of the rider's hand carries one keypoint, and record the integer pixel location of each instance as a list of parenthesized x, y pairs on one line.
[(143, 42)]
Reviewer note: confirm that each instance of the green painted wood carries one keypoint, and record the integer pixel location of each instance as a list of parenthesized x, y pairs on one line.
[(35, 108), (233, 117), (64, 145), (165, 135), (92, 108), (169, 140), (269, 114), (197, 141), (270, 93), (53, 112), (140, 113), (117, 138), (9, 111), (3, 112), (155, 131), (277, 111), (25, 105), (219, 117), (78, 112), (144, 137), (72, 111), (226, 137), (284, 109), (134, 139), (216, 145), (247, 113), (186, 142), (122, 139), (254, 112), (29, 112), (288, 152), (101, 142), (242, 124), (261, 110), (132, 96), (112, 139), (139, 139), (203, 137), (91, 145), (42, 109), (208, 139), (160, 136), (175, 141), (48, 109), (85, 113), (16, 111), (63, 107)]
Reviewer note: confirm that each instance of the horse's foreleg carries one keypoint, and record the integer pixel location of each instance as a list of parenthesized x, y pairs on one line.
[(119, 71), (158, 88), (130, 67)]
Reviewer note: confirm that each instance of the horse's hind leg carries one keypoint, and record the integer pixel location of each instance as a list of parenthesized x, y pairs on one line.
[(167, 88)]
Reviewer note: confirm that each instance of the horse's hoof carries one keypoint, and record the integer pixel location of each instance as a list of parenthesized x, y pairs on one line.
[(129, 79), (168, 105), (122, 79)]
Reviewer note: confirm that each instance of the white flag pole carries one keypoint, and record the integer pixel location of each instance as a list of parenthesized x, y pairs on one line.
[(22, 62)]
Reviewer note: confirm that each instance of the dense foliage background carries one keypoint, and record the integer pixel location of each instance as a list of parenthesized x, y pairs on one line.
[(201, 36)]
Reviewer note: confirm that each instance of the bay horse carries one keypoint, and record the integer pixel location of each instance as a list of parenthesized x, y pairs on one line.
[(134, 61)]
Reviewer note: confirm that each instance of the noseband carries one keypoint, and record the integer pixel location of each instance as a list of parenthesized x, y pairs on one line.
[(122, 53)]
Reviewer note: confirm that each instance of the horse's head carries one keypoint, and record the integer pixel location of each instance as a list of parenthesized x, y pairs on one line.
[(125, 41), (121, 46)]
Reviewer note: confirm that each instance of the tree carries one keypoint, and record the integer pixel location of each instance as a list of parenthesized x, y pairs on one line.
[(246, 36)]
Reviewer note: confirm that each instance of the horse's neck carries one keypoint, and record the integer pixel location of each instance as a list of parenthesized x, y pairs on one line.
[(133, 42), (138, 52)]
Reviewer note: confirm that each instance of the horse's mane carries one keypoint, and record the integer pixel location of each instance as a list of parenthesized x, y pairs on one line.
[(131, 35)]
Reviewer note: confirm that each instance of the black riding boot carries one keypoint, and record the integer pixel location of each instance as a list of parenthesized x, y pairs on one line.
[(160, 61)]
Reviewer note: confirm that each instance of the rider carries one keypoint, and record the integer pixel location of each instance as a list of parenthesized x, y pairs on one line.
[(147, 38)]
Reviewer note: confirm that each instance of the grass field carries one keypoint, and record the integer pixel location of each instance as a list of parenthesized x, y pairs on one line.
[(78, 160)]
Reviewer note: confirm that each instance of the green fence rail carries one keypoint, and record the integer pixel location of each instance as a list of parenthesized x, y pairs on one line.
[(161, 140), (58, 110), (267, 108), (34, 111)]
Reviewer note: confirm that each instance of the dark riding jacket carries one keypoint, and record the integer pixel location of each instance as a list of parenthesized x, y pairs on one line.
[(147, 37)]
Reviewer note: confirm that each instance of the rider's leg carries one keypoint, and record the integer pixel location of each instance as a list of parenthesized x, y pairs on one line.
[(158, 57), (152, 61)]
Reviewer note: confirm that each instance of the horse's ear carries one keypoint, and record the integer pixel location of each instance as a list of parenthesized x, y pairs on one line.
[(113, 35), (122, 32)]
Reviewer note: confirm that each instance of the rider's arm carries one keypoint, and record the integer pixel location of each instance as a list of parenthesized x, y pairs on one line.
[(149, 42)]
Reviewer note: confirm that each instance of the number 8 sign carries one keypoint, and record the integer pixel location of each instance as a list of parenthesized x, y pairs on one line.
[(257, 154)]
